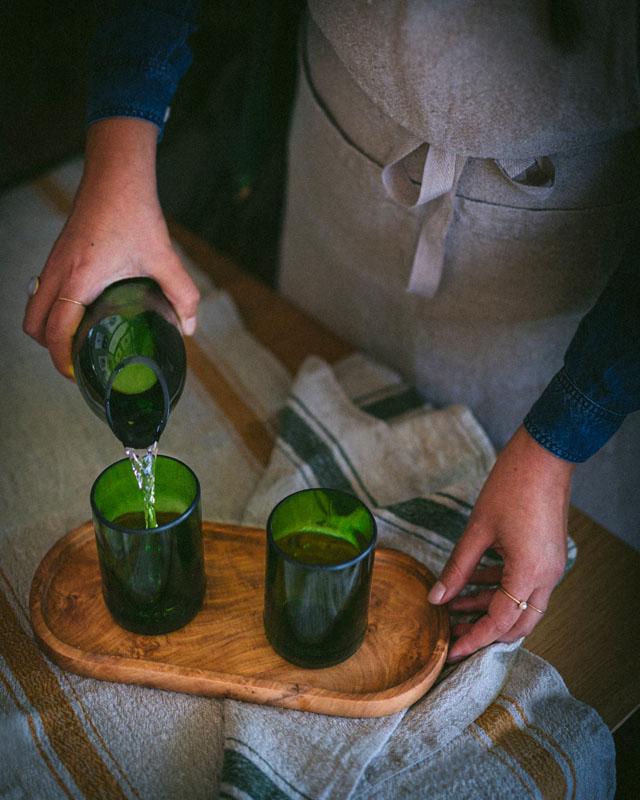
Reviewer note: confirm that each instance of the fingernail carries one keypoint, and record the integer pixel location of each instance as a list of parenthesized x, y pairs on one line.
[(437, 592), (189, 326), (454, 659)]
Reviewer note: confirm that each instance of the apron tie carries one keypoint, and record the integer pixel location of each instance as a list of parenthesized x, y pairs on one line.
[(440, 175)]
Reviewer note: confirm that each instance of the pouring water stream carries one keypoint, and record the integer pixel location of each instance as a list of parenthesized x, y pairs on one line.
[(143, 463)]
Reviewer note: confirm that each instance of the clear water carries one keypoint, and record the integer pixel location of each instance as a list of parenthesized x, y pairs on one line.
[(143, 464)]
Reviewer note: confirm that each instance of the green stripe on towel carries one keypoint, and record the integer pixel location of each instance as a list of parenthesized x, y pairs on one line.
[(243, 774), (393, 406), (312, 450), (432, 515)]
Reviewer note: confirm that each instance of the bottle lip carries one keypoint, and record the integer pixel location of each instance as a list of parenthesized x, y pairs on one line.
[(166, 399)]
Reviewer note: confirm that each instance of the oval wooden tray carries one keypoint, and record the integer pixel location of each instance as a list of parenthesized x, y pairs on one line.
[(223, 652)]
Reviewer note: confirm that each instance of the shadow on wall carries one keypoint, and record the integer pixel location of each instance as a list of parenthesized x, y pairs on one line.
[(221, 168)]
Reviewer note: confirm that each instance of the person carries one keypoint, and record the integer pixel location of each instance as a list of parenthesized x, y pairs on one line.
[(461, 189)]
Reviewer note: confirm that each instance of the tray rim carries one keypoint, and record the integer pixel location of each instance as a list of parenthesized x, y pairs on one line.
[(209, 683)]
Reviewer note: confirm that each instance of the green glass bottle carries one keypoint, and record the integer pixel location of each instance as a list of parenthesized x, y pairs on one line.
[(129, 360)]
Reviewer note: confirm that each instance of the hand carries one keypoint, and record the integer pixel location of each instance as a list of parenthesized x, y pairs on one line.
[(115, 230), (522, 514)]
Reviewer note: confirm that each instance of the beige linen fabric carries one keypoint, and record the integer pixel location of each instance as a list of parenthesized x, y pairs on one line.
[(524, 255), (488, 79)]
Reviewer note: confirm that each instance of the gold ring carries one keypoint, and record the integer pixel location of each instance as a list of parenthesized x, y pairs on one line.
[(522, 604), (535, 608), (33, 285), (69, 300)]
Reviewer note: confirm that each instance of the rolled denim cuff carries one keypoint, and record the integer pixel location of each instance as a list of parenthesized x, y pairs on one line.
[(569, 424), (137, 56), (146, 95)]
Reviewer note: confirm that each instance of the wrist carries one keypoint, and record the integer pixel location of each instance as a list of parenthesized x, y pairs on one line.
[(539, 458), (120, 156)]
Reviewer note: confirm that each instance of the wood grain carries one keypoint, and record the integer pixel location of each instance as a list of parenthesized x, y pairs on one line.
[(223, 652)]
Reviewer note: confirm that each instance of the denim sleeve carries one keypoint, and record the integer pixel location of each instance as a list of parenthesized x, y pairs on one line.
[(138, 54), (587, 400)]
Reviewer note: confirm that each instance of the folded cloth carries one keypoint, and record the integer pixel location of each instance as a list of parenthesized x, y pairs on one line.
[(501, 724)]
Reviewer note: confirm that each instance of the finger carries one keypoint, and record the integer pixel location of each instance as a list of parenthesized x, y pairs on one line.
[(63, 320), (490, 575), (34, 323), (181, 292), (530, 618), (472, 602), (501, 616), (461, 564), (461, 629)]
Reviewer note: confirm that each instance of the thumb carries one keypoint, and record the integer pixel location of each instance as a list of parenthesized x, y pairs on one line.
[(181, 292), (460, 566)]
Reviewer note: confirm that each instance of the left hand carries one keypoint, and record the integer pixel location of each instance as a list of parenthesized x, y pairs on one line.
[(522, 514)]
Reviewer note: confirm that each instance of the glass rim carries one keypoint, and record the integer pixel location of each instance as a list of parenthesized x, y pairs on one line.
[(160, 528), (324, 567)]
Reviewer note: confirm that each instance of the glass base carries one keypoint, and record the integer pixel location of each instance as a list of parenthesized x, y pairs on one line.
[(307, 658), (155, 622)]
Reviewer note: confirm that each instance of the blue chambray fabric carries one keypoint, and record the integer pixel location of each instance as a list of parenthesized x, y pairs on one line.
[(138, 54), (587, 400)]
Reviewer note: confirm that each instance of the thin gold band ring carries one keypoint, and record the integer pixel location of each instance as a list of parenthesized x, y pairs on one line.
[(69, 300), (523, 605)]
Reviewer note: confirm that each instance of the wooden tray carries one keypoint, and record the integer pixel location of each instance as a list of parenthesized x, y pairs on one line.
[(223, 652)]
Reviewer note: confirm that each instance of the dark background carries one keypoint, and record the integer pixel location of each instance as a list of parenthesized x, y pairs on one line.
[(221, 164)]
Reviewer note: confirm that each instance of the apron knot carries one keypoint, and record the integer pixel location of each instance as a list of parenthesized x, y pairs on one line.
[(440, 174)]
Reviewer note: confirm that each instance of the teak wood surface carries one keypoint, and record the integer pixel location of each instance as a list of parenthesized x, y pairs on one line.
[(590, 632), (223, 652)]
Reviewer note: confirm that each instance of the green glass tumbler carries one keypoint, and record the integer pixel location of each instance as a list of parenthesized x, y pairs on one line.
[(320, 552), (153, 579)]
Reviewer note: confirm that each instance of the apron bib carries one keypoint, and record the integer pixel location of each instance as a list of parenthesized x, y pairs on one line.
[(468, 275)]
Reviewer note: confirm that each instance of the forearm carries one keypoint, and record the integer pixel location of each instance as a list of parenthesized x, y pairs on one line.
[(587, 401), (120, 153)]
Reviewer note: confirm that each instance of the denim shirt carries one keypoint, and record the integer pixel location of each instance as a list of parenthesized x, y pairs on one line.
[(138, 56)]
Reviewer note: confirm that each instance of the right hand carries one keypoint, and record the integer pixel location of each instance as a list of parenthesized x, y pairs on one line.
[(116, 230)]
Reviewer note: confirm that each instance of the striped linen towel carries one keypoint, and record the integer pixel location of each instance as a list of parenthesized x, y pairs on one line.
[(502, 723)]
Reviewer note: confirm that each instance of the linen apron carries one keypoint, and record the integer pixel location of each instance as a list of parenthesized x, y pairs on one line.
[(465, 260)]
